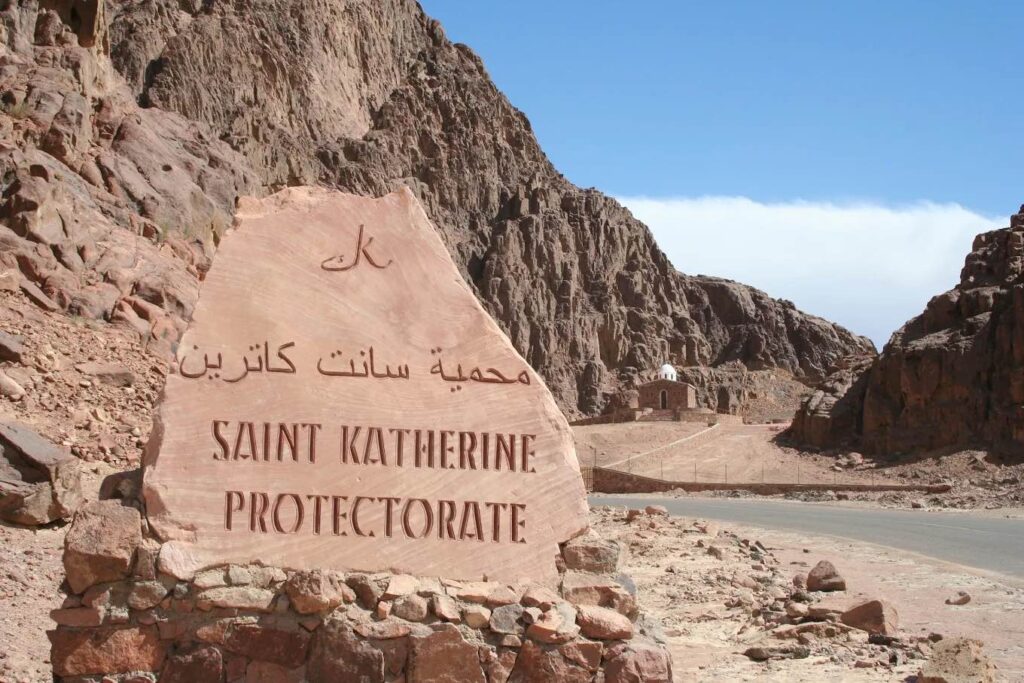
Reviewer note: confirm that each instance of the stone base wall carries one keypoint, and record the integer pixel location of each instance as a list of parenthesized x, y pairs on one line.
[(126, 621)]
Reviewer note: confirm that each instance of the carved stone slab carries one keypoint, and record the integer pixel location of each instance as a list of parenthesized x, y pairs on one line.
[(343, 401)]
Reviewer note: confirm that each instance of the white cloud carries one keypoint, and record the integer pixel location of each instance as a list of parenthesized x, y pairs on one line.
[(866, 266)]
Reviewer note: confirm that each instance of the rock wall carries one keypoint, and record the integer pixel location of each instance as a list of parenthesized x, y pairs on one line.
[(121, 182), (951, 377), (126, 619)]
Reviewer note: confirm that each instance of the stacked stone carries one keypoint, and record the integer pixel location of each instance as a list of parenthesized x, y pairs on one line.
[(127, 620)]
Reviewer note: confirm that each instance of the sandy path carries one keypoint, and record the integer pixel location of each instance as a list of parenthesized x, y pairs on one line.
[(728, 453)]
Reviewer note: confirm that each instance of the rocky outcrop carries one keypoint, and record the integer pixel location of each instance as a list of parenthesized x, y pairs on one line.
[(39, 482), (951, 377), (380, 98)]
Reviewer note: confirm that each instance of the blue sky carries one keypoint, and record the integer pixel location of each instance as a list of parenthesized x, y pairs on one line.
[(892, 107)]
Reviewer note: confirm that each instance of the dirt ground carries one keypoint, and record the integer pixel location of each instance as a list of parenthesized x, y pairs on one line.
[(724, 453), (714, 607)]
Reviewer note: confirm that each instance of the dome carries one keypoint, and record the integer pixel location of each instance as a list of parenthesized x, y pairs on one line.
[(667, 372)]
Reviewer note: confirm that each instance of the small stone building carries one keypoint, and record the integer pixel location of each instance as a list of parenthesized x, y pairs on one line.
[(667, 392)]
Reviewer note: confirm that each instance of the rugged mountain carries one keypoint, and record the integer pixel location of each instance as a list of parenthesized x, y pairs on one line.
[(211, 100), (951, 377)]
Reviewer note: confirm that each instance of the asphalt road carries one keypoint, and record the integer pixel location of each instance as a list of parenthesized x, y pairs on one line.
[(988, 543)]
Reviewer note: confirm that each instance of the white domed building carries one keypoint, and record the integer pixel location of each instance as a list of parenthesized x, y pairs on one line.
[(667, 392)]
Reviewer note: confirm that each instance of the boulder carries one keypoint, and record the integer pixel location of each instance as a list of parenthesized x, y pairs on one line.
[(101, 543), (590, 589), (280, 645), (957, 660), (446, 609), (317, 591), (873, 616), (443, 656), (505, 619), (12, 347), (555, 625), (591, 554), (338, 654), (39, 482), (603, 624), (106, 650), (569, 663), (410, 607), (236, 597), (961, 598), (825, 577), (637, 663)]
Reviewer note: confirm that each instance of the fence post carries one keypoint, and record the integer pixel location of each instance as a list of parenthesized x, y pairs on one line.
[(726, 474), (663, 468), (695, 470)]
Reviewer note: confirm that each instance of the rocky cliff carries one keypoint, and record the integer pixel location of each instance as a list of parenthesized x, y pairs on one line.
[(951, 377), (122, 172)]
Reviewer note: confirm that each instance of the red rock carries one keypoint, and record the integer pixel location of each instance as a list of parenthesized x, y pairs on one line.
[(78, 616), (383, 630), (41, 481), (556, 625), (267, 643), (603, 623), (874, 616), (316, 591), (590, 589), (400, 584), (443, 657), (825, 577), (236, 597), (539, 596), (204, 665), (446, 609), (338, 654), (498, 665), (476, 616), (591, 555), (100, 545), (106, 650), (367, 590), (538, 663), (108, 373), (637, 663)]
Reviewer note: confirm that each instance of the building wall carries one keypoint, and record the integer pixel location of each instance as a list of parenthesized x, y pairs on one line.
[(679, 395)]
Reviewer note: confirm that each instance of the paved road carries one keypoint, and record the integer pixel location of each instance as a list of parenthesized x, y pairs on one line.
[(988, 543)]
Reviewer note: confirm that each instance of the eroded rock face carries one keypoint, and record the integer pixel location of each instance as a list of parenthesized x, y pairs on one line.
[(952, 376), (107, 211), (382, 98)]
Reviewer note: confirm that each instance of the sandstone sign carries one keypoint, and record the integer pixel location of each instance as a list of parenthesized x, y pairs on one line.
[(343, 401)]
